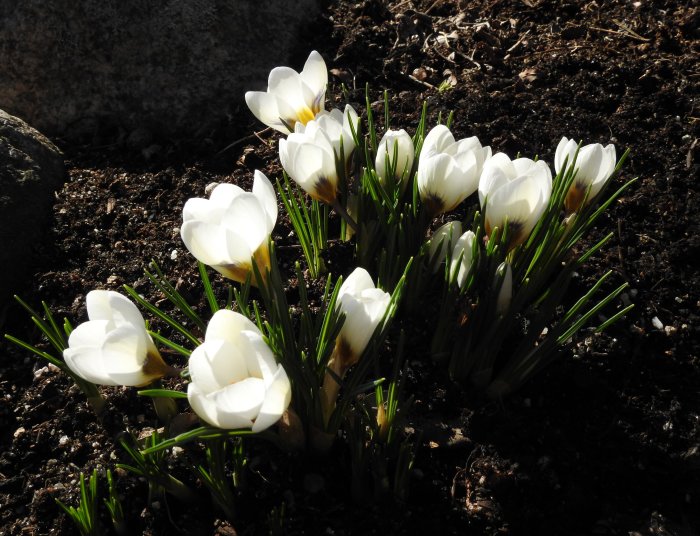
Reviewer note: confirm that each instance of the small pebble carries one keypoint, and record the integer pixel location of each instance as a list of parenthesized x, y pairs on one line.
[(19, 432), (63, 440), (657, 323), (173, 255)]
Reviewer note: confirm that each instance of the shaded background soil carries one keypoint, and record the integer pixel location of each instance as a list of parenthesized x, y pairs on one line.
[(606, 441)]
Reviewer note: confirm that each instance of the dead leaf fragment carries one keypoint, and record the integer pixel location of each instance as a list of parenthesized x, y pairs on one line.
[(529, 74)]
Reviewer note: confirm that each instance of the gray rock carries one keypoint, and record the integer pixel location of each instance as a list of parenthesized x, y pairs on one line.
[(156, 67), (31, 170)]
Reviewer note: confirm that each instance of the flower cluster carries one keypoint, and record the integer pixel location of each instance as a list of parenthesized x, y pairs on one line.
[(298, 370)]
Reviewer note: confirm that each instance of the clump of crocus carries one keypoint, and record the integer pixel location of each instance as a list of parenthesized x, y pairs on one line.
[(514, 191), (236, 382), (364, 307), (448, 170), (113, 347), (395, 152), (230, 230), (291, 97), (594, 165)]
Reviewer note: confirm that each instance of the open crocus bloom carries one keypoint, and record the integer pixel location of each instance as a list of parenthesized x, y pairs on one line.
[(399, 143), (448, 170), (232, 227), (364, 307), (113, 347), (236, 382), (516, 191), (594, 166), (308, 157), (291, 97)]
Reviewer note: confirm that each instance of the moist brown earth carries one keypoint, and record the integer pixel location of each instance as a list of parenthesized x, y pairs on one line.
[(606, 441)]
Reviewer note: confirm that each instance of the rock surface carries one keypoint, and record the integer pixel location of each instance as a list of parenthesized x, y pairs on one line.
[(140, 70), (31, 169)]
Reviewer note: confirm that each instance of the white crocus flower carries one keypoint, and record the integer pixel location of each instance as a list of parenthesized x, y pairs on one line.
[(291, 97), (308, 157), (594, 166), (399, 143), (364, 307), (448, 170), (462, 258), (235, 380), (113, 347), (516, 191), (232, 227)]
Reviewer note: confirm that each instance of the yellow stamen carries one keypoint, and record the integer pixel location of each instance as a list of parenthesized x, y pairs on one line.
[(305, 114)]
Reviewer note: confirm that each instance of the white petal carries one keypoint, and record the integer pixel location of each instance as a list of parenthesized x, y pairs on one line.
[(315, 75), (90, 334), (264, 106), (589, 161), (566, 149), (124, 353), (223, 195), (241, 400), (87, 363), (277, 398), (205, 406), (206, 241), (259, 359), (437, 139), (246, 224), (197, 208), (226, 325), (265, 192), (356, 282), (464, 248), (215, 364), (497, 171), (110, 305)]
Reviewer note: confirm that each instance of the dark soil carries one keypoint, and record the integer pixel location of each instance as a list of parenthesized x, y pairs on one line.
[(606, 441)]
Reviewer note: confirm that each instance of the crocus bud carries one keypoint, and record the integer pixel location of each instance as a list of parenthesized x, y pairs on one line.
[(462, 258), (236, 382), (594, 165), (399, 143), (516, 191), (336, 125), (308, 157), (443, 240), (505, 294), (113, 347), (448, 170), (291, 97), (230, 230), (364, 307)]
